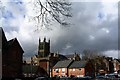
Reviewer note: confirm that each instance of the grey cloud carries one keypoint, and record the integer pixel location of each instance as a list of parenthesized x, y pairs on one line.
[(85, 23), (10, 29), (82, 28), (30, 48)]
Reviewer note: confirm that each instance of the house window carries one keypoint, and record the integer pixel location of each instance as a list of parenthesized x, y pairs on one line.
[(80, 69), (63, 70), (36, 64), (73, 69), (57, 70)]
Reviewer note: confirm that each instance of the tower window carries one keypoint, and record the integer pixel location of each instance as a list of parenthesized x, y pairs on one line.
[(41, 46), (63, 70)]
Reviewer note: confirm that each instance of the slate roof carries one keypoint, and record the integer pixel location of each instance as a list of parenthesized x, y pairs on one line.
[(62, 57), (63, 64), (118, 60), (70, 56), (78, 64)]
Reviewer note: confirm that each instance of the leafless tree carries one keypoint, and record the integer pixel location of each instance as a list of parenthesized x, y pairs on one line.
[(91, 54), (50, 11), (97, 60)]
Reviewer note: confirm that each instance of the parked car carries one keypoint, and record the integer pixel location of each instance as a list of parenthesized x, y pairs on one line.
[(80, 78), (41, 78), (65, 78), (112, 75), (89, 77), (101, 77)]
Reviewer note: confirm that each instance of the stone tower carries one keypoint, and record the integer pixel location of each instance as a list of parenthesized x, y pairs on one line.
[(43, 48)]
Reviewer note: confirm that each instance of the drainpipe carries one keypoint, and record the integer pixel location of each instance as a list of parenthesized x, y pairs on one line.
[(95, 69), (67, 72)]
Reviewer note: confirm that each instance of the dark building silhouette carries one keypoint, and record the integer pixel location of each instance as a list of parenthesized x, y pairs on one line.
[(44, 48), (12, 54)]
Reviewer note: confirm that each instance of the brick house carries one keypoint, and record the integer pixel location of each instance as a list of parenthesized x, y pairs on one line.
[(81, 69), (61, 68), (12, 54), (116, 63), (44, 63)]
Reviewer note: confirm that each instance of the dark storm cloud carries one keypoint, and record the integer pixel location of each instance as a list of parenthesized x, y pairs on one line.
[(29, 46), (88, 33), (119, 26), (91, 27)]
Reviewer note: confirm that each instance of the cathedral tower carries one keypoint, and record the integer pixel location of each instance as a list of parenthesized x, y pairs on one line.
[(43, 48)]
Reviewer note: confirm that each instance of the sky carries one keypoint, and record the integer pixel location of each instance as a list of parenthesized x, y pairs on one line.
[(94, 26)]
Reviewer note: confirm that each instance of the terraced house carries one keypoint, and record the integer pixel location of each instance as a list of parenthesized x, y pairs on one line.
[(71, 68), (81, 69), (61, 68)]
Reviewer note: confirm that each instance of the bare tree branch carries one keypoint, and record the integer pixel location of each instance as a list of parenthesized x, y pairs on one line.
[(51, 11)]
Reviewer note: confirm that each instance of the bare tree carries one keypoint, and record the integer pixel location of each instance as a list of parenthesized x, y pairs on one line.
[(90, 54), (97, 60), (50, 11)]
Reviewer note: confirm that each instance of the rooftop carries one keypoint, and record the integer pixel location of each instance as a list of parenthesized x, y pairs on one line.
[(78, 64), (63, 64)]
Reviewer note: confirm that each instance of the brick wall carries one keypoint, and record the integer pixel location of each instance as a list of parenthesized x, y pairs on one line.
[(77, 72), (44, 65), (61, 72)]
